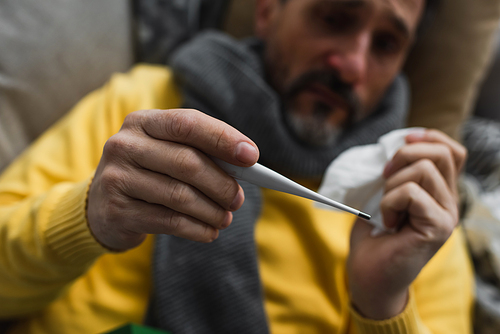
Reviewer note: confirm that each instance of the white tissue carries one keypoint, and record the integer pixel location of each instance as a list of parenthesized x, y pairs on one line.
[(355, 177)]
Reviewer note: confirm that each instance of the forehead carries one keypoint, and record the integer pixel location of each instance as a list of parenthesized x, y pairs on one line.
[(403, 13), (407, 4), (409, 10), (403, 5)]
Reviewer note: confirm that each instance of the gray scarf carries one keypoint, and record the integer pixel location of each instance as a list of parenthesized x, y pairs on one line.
[(215, 288)]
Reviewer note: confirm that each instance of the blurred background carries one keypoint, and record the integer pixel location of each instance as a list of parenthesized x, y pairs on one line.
[(54, 52)]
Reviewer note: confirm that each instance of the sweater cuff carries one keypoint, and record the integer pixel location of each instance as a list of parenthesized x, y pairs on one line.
[(67, 232), (407, 322)]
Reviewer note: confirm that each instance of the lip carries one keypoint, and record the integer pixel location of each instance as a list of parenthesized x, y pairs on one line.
[(328, 96)]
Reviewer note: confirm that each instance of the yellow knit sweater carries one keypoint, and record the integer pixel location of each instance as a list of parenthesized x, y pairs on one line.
[(56, 278)]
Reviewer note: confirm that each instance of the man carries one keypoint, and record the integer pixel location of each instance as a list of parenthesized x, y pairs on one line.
[(333, 67)]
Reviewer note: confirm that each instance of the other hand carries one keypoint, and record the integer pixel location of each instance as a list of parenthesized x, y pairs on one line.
[(420, 202)]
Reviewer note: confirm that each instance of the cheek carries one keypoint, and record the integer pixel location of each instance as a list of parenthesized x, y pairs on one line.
[(378, 80), (297, 51)]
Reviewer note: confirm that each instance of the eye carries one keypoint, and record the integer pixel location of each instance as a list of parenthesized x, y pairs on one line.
[(386, 43), (341, 21)]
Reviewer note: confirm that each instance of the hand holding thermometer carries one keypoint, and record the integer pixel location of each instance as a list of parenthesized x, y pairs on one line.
[(266, 178)]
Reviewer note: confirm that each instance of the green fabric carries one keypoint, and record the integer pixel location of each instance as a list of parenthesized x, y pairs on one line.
[(136, 329)]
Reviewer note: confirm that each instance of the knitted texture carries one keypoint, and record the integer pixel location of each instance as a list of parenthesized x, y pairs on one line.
[(210, 288), (481, 137)]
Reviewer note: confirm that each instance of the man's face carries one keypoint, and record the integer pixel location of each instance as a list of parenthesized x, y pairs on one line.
[(332, 60)]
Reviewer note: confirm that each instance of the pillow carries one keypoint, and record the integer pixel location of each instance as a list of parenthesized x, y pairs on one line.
[(53, 53), (240, 18), (446, 65), (488, 101)]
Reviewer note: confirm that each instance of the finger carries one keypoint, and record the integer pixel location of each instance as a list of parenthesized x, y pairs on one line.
[(424, 173), (193, 128), (459, 152), (425, 215), (439, 154), (160, 189), (180, 162), (141, 217)]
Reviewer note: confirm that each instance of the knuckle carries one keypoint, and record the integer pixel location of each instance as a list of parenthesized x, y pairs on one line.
[(189, 162), (180, 124), (229, 190), (114, 209), (180, 195), (119, 145), (443, 227), (427, 169), (427, 166), (412, 189), (447, 153), (112, 146), (172, 220), (134, 119), (112, 179), (114, 215)]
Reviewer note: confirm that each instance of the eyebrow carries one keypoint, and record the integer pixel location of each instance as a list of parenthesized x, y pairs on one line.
[(398, 22), (400, 25), (348, 3)]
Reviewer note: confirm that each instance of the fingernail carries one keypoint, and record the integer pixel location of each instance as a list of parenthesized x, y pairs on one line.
[(418, 134), (246, 153), (238, 201)]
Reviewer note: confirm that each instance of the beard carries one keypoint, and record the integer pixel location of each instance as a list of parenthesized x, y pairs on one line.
[(313, 129), (317, 123)]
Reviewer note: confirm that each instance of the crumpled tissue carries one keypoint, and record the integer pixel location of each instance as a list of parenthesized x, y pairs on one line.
[(355, 177)]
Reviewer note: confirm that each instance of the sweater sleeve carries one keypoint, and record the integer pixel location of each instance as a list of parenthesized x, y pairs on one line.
[(441, 298), (407, 321), (45, 243)]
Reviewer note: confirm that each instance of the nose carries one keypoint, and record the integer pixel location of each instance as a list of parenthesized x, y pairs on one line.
[(350, 57)]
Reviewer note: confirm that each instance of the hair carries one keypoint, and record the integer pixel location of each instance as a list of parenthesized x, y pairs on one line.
[(430, 10)]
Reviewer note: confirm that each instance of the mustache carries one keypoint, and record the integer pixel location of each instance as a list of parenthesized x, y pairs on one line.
[(330, 79)]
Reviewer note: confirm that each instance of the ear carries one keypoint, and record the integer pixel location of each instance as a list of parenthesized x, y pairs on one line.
[(264, 16)]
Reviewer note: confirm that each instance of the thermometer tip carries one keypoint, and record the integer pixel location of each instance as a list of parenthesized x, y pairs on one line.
[(364, 215)]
